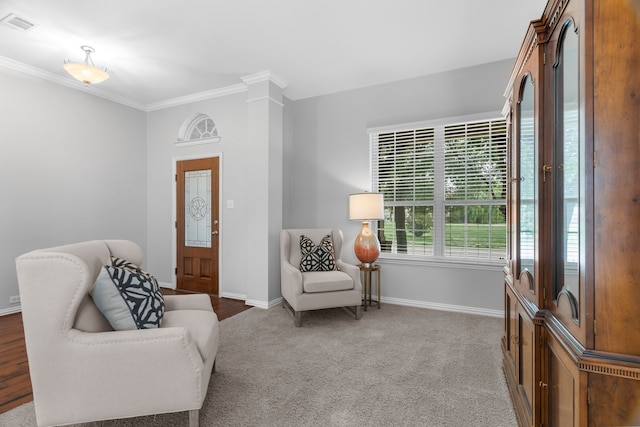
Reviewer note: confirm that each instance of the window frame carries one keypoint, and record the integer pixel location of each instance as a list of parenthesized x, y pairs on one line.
[(439, 224), (190, 124)]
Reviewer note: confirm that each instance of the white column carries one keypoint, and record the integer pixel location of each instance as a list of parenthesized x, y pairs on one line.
[(264, 187)]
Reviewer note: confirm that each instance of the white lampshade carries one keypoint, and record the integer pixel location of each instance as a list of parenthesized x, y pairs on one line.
[(86, 73), (366, 206)]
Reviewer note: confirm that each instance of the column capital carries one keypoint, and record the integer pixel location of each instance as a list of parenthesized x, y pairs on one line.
[(262, 76)]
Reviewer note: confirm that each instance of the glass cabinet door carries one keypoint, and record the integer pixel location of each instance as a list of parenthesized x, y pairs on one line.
[(528, 192), (568, 177)]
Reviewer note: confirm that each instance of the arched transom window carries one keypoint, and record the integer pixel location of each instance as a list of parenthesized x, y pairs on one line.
[(198, 128)]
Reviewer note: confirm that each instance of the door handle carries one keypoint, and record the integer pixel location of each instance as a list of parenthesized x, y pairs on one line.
[(545, 169)]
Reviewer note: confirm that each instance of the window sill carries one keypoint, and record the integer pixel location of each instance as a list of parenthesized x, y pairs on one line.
[(441, 262)]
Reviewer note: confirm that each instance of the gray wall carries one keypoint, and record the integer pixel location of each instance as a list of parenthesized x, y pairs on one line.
[(250, 150), (72, 167), (328, 158), (230, 116), (77, 167)]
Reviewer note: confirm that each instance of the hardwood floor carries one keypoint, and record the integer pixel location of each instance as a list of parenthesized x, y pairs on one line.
[(15, 384)]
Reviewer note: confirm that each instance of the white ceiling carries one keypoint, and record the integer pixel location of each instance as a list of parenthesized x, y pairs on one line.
[(158, 50)]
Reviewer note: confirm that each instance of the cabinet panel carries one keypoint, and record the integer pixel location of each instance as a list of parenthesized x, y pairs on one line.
[(569, 167), (524, 297), (561, 388), (568, 162), (617, 175), (520, 357), (614, 401), (525, 206), (527, 171), (526, 368), (561, 393), (510, 329)]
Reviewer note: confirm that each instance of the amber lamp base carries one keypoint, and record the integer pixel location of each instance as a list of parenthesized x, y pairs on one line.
[(367, 245)]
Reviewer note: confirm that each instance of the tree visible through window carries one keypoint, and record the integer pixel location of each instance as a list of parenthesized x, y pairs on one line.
[(444, 188)]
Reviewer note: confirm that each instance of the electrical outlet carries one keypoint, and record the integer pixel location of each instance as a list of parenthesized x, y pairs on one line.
[(14, 299)]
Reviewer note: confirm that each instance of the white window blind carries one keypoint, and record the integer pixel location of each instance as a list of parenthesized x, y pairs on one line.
[(444, 188), (405, 165)]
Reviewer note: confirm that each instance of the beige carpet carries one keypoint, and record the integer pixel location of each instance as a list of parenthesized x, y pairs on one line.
[(397, 366)]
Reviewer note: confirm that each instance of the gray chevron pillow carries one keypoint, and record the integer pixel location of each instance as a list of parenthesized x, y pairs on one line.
[(128, 297)]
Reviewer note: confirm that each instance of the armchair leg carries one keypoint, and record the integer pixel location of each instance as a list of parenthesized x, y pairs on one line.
[(297, 315), (298, 318), (358, 312), (194, 418)]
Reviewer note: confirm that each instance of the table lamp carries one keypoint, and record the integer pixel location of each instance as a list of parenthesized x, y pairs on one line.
[(366, 207)]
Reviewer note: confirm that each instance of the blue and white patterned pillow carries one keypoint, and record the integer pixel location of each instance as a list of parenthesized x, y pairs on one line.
[(128, 297), (317, 258)]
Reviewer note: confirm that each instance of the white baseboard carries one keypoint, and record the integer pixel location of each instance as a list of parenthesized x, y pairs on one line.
[(166, 285), (255, 303), (443, 307), (10, 310), (275, 302), (386, 300), (263, 304), (405, 302), (231, 295)]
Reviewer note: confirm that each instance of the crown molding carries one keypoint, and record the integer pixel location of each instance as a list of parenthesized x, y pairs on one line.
[(264, 76), (201, 96), (10, 64)]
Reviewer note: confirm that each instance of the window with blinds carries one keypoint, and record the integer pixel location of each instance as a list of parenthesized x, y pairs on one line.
[(444, 189)]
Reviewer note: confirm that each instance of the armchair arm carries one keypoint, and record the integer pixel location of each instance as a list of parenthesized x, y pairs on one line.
[(170, 339), (187, 302), (352, 271), (290, 279), (135, 350)]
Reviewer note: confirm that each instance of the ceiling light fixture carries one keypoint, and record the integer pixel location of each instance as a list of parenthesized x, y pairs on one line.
[(86, 72)]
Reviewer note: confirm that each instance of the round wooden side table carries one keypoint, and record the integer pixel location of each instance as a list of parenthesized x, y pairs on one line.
[(367, 272)]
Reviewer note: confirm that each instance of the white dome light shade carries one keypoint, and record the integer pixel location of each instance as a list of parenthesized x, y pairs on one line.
[(86, 72)]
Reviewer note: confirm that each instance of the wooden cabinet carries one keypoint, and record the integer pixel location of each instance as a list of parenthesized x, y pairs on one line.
[(520, 343), (572, 280), (560, 386)]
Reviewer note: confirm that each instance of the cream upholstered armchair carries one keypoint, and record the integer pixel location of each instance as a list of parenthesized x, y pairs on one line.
[(81, 369), (312, 274)]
